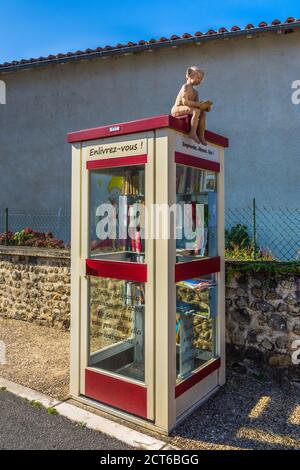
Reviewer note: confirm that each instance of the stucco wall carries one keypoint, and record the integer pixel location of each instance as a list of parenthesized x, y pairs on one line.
[(249, 81)]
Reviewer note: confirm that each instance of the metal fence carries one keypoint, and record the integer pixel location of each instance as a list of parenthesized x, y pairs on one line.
[(272, 232), (59, 224), (251, 232)]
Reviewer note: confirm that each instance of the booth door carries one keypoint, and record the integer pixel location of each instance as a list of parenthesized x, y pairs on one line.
[(117, 329)]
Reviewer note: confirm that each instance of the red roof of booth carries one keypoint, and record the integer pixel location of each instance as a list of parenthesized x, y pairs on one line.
[(263, 26), (143, 125)]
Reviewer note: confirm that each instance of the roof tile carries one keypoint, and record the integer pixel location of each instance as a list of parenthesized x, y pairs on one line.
[(210, 31), (174, 37)]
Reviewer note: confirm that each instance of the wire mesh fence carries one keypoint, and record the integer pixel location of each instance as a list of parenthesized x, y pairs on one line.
[(262, 232), (58, 224), (253, 232)]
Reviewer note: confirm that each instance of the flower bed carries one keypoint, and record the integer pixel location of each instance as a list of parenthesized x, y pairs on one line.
[(32, 238)]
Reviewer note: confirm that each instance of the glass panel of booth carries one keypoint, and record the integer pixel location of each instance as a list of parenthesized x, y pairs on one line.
[(117, 327), (196, 323), (196, 213), (117, 214)]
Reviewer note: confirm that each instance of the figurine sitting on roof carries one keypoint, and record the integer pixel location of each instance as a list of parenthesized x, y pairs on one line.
[(187, 102)]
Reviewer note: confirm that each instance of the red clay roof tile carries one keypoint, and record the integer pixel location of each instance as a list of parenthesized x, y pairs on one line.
[(163, 39), (210, 31)]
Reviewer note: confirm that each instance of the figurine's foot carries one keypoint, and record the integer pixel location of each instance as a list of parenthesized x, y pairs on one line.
[(203, 141), (195, 137)]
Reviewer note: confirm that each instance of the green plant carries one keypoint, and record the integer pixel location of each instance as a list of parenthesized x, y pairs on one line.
[(2, 389), (239, 246), (237, 236), (270, 269), (52, 411), (36, 404), (82, 425)]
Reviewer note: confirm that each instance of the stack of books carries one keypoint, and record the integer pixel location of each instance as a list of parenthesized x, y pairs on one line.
[(134, 183), (192, 180), (197, 284)]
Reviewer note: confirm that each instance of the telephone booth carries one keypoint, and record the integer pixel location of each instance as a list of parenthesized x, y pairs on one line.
[(147, 291)]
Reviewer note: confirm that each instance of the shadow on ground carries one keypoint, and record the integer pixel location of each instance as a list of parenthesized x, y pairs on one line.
[(247, 414)]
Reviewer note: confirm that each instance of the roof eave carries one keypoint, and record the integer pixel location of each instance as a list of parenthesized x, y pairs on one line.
[(150, 46)]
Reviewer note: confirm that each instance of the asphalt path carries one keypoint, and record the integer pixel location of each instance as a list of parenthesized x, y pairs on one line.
[(24, 426)]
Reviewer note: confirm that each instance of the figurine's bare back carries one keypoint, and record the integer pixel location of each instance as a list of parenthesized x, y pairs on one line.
[(187, 102)]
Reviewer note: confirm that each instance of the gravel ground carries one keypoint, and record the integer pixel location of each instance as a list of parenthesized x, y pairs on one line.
[(245, 414), (25, 427), (36, 357)]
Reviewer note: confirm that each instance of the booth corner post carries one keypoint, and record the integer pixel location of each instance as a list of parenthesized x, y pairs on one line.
[(147, 309)]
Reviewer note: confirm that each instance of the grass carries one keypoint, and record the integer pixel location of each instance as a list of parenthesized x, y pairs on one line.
[(39, 406)]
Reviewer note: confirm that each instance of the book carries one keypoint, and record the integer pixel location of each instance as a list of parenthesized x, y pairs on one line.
[(196, 284)]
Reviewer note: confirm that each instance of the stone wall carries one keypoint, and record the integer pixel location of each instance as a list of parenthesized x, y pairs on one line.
[(35, 286), (263, 316), (262, 308)]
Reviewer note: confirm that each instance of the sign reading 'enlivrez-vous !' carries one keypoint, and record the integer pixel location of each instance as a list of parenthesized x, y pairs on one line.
[(117, 149)]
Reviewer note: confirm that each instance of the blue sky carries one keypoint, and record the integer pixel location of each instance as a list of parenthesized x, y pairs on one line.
[(33, 28)]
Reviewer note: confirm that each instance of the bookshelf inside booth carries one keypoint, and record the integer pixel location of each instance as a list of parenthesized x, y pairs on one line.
[(196, 325), (117, 327), (196, 197), (117, 306), (117, 214), (197, 239)]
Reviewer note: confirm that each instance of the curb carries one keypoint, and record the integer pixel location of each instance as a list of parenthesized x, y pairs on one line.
[(28, 393), (91, 421)]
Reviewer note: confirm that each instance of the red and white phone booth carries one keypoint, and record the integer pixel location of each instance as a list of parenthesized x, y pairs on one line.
[(147, 310)]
